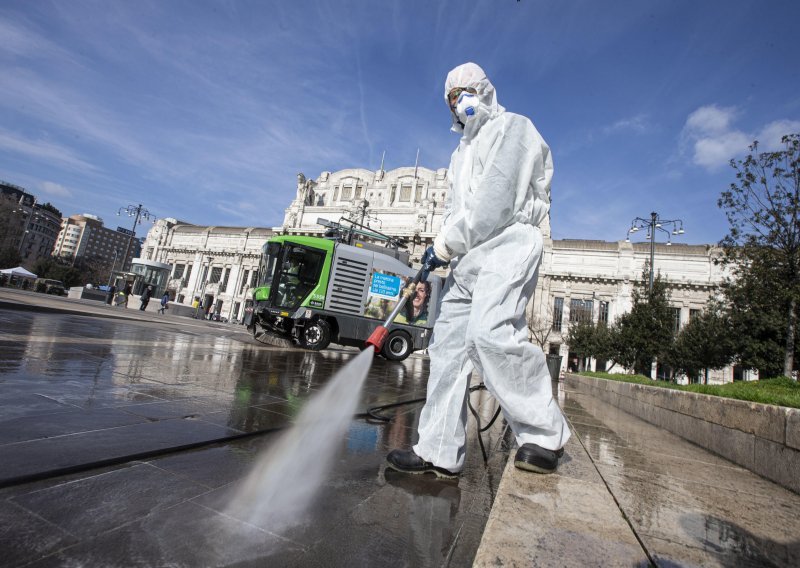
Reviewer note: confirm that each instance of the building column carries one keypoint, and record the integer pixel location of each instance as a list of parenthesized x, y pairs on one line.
[(197, 273)]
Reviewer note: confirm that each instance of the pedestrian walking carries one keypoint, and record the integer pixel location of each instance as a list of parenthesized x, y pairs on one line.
[(112, 291), (127, 293), (145, 298), (164, 302)]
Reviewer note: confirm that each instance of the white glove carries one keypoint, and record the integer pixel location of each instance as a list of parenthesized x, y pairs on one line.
[(441, 250)]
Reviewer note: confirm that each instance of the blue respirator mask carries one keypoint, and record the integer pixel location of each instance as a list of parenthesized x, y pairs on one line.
[(466, 106)]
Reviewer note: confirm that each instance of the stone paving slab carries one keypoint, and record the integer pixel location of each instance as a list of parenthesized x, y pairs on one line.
[(160, 539), (68, 421), (37, 458), (140, 490), (565, 519), (628, 493), (720, 513), (25, 536)]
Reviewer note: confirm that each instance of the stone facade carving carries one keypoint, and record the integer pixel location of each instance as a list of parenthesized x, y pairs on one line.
[(422, 218)]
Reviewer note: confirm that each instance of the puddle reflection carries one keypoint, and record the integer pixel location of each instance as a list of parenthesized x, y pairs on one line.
[(738, 545)]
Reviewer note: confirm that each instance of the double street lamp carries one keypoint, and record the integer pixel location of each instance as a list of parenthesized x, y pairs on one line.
[(138, 213), (655, 223)]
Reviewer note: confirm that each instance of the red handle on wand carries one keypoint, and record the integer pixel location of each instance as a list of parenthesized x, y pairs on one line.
[(378, 336)]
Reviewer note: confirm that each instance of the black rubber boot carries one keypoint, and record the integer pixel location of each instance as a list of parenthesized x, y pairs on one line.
[(531, 457), (407, 461)]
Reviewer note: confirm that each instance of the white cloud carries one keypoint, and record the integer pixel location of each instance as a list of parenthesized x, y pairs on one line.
[(710, 120), (715, 141), (769, 138), (638, 124), (55, 189), (714, 152)]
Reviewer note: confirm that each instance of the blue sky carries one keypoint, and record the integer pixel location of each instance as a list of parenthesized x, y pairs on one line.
[(206, 111)]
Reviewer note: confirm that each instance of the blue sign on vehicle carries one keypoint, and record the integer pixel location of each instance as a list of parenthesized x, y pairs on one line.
[(385, 286)]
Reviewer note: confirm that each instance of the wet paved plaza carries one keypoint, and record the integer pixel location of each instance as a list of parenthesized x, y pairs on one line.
[(123, 438), (108, 453)]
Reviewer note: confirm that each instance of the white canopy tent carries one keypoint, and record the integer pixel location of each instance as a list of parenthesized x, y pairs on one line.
[(19, 272)]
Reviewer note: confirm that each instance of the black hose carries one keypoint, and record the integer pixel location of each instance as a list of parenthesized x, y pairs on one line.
[(373, 413), (478, 421), (145, 455), (138, 456)]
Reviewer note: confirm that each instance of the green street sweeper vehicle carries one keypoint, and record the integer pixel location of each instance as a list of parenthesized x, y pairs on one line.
[(315, 291)]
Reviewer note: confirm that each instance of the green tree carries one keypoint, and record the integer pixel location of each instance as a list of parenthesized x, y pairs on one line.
[(10, 233), (756, 315), (53, 268), (587, 339), (645, 333), (604, 344), (581, 339), (74, 273), (763, 242), (52, 208), (704, 343), (94, 269), (9, 257)]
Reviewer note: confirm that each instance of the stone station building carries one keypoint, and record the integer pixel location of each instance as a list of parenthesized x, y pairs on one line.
[(578, 279), (216, 264)]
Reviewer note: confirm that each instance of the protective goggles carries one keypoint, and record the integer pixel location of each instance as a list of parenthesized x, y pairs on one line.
[(452, 96)]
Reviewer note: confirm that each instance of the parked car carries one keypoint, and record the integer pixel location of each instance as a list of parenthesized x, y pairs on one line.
[(49, 286)]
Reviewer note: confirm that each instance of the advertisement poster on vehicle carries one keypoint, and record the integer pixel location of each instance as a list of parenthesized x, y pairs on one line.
[(384, 293)]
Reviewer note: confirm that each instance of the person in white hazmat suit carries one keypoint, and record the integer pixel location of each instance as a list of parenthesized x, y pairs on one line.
[(500, 192)]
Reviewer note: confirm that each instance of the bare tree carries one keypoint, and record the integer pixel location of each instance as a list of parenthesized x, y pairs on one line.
[(540, 327)]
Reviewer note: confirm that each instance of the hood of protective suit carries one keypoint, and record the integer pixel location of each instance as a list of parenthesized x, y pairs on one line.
[(471, 75)]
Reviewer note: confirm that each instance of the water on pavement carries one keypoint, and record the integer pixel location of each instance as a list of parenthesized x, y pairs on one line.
[(141, 404), (79, 390), (302, 453)]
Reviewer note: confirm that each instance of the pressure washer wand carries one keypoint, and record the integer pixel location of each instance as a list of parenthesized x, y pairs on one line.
[(378, 336)]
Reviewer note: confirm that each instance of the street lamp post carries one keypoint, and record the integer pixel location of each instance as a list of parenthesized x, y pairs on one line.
[(27, 221), (204, 278), (138, 213), (653, 224), (113, 265)]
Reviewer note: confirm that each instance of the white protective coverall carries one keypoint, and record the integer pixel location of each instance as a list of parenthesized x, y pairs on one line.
[(499, 193)]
